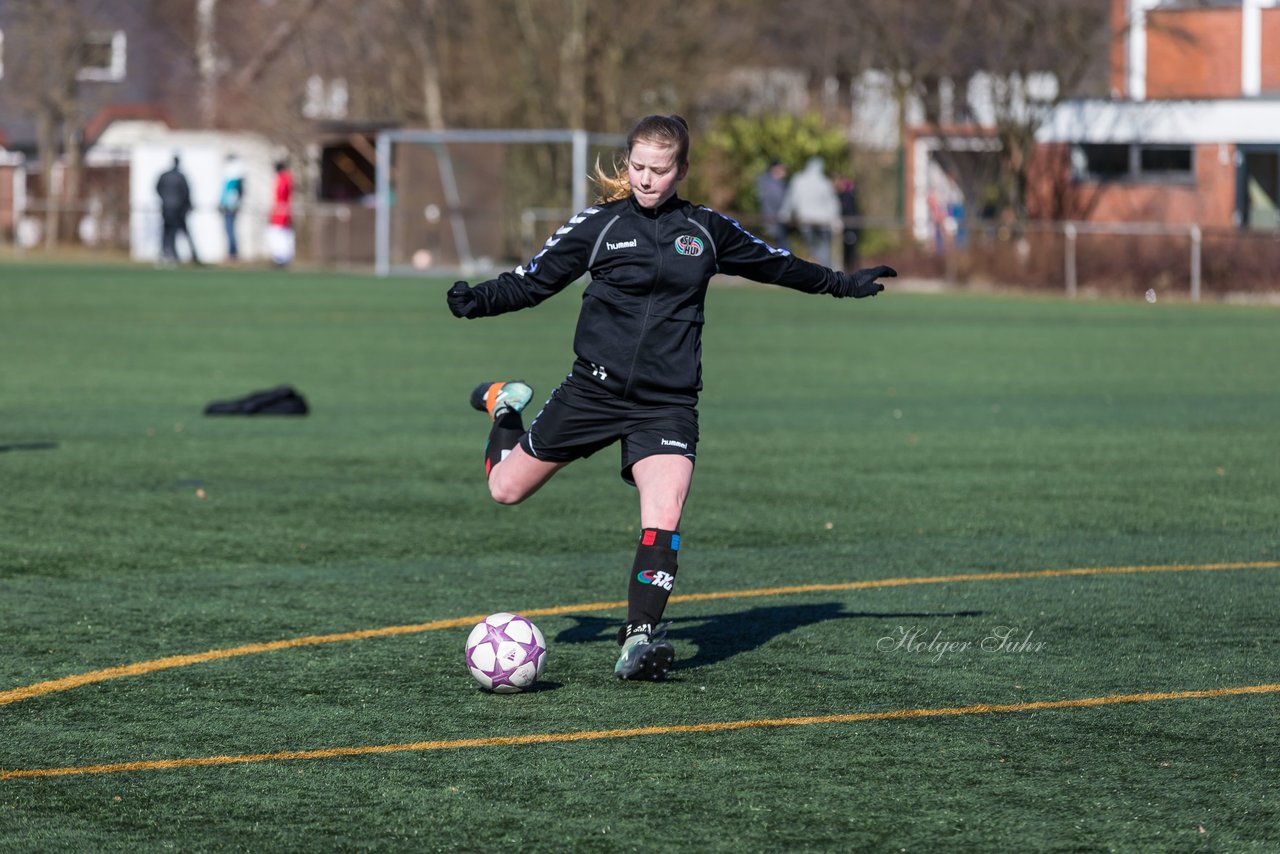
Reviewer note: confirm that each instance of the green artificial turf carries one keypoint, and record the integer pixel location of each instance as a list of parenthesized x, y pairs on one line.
[(906, 437)]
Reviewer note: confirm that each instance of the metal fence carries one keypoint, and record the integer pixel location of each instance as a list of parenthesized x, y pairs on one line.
[(328, 234), (1071, 232), (1187, 261)]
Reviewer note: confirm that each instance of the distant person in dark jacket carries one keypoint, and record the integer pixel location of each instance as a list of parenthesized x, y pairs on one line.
[(771, 186), (850, 211), (650, 256), (175, 204)]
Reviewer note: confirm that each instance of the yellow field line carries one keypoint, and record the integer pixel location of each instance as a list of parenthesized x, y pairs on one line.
[(598, 735), (66, 683)]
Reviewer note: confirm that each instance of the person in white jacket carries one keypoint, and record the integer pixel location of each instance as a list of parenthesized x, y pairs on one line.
[(812, 204)]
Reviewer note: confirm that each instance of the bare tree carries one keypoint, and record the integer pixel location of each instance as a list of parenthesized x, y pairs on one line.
[(266, 52), (600, 64), (514, 63), (425, 41), (47, 43), (1007, 44)]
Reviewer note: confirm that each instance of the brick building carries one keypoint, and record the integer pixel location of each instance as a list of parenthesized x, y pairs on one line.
[(1191, 132)]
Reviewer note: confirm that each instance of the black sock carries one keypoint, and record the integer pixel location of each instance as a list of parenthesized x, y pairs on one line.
[(652, 576), (503, 436)]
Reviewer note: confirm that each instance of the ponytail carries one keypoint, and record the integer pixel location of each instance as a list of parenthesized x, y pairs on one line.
[(611, 187)]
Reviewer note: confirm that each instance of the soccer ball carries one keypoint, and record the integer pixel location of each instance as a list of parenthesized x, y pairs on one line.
[(506, 653)]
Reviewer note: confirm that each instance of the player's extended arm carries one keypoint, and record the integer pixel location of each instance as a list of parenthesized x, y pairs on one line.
[(508, 292), (563, 259), (741, 253)]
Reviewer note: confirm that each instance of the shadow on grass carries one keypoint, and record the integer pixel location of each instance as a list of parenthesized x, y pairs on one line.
[(29, 446), (722, 636), (536, 688)]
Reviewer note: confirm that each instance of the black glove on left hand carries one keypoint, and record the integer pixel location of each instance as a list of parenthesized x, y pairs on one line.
[(862, 283), (462, 302)]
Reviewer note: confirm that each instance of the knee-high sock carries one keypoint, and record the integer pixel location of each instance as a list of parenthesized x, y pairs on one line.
[(503, 436), (652, 576)]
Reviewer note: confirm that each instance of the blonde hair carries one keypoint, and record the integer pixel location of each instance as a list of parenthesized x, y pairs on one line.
[(667, 131)]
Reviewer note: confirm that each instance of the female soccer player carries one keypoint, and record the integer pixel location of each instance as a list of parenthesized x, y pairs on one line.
[(636, 378)]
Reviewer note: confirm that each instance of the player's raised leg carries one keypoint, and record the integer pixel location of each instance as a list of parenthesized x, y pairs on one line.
[(503, 401), (513, 475)]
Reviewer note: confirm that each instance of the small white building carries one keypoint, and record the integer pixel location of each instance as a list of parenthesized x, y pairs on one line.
[(149, 150)]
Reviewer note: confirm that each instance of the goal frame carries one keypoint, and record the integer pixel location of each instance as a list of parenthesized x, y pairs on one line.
[(579, 140)]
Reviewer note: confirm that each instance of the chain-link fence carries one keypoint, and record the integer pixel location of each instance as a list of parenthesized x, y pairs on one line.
[(1185, 260), (338, 236), (1069, 257)]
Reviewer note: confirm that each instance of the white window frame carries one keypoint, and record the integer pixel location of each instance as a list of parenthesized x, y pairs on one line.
[(1, 54), (114, 71), (325, 98), (1133, 173)]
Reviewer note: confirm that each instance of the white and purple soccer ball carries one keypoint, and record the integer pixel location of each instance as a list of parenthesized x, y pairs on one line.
[(506, 653)]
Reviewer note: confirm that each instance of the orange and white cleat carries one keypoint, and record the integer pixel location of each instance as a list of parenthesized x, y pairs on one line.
[(497, 397)]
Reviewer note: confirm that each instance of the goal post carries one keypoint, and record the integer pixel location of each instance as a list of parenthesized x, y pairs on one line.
[(466, 200)]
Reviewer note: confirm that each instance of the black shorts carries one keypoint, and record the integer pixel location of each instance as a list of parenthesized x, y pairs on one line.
[(573, 425)]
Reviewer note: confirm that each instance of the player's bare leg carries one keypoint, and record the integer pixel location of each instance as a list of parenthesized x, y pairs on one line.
[(663, 483), (519, 475), (513, 474)]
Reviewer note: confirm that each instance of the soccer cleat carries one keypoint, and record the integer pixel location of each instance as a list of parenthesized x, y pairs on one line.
[(495, 397), (645, 652)]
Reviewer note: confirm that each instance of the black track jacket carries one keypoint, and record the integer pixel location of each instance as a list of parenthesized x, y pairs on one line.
[(639, 335)]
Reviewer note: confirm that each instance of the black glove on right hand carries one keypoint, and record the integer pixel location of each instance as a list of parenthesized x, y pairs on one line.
[(862, 283), (462, 302)]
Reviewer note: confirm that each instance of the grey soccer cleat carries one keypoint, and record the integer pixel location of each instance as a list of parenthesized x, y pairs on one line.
[(496, 397), (645, 652)]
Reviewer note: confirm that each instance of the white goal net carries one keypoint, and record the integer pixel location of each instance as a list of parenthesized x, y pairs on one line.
[(471, 200)]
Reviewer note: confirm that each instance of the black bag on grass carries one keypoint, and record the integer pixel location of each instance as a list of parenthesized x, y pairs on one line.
[(281, 400)]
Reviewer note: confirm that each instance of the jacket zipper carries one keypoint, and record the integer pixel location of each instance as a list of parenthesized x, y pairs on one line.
[(648, 309)]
